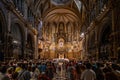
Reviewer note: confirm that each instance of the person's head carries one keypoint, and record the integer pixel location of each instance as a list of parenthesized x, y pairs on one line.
[(88, 65), (14, 75), (82, 67), (115, 67), (107, 69), (3, 69), (24, 66), (10, 70)]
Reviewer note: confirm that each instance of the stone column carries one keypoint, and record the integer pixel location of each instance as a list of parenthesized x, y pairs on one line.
[(96, 43), (86, 46), (9, 21), (7, 34), (115, 25), (36, 47), (25, 14)]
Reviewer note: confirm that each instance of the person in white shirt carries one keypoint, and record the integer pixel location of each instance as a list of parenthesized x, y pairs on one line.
[(88, 74)]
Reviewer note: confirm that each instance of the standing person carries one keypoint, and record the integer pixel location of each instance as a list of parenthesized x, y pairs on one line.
[(43, 76), (78, 71), (24, 74), (99, 72), (50, 71), (3, 76), (109, 74), (9, 73), (34, 73), (43, 67), (88, 74)]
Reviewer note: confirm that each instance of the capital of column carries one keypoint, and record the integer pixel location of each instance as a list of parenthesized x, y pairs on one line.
[(32, 28)]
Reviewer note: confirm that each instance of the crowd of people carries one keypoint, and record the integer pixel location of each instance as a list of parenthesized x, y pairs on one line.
[(47, 69), (88, 70)]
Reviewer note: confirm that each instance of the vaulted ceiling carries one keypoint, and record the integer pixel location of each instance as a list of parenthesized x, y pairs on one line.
[(42, 7), (60, 10)]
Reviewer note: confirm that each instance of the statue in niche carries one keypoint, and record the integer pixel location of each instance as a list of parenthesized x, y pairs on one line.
[(61, 27), (61, 42)]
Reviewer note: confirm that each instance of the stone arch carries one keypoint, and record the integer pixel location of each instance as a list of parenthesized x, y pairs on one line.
[(66, 13), (106, 21), (18, 39), (37, 7), (104, 32)]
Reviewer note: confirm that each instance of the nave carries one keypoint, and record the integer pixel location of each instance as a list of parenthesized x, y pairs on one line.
[(48, 29), (59, 39)]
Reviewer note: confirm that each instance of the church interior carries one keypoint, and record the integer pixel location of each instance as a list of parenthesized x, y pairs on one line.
[(49, 29)]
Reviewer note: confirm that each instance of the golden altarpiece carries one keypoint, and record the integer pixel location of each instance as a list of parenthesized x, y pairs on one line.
[(61, 36)]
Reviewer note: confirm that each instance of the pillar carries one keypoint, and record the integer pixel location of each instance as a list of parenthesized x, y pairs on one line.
[(36, 47), (86, 46), (9, 20), (96, 43), (7, 34), (115, 26)]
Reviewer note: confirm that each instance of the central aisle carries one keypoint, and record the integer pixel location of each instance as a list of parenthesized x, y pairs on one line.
[(61, 73), (58, 76)]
